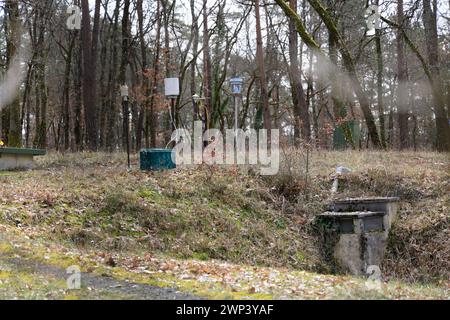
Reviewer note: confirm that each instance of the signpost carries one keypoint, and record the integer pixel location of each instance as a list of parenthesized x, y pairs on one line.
[(172, 91), (236, 91), (124, 95)]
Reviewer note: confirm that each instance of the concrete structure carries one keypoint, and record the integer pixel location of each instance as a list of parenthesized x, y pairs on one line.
[(16, 158), (388, 205), (361, 228)]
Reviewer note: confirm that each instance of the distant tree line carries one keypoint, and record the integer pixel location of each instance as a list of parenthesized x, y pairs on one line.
[(309, 68)]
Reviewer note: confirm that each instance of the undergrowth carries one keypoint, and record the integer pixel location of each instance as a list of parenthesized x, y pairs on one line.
[(90, 200)]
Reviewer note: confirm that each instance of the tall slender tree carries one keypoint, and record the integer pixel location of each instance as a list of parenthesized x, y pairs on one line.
[(13, 43), (380, 67), (89, 47), (207, 69), (301, 113), (261, 69), (442, 123), (402, 77)]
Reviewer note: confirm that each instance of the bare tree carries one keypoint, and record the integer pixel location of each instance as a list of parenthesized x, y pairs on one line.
[(301, 113), (402, 76), (261, 69), (442, 123), (89, 45)]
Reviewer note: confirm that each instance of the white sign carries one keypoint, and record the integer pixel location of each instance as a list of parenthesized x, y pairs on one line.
[(172, 87)]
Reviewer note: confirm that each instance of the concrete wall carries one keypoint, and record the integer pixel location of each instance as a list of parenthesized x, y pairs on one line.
[(16, 161), (355, 252)]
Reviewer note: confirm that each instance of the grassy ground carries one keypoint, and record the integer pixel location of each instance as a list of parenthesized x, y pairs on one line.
[(204, 279), (218, 231)]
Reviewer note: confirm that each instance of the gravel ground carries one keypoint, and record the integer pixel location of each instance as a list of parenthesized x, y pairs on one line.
[(98, 283)]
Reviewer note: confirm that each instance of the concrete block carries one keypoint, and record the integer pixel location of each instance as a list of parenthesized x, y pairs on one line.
[(16, 161), (362, 243)]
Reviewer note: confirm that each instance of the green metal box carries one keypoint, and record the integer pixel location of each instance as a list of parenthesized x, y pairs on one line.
[(156, 159), (339, 142)]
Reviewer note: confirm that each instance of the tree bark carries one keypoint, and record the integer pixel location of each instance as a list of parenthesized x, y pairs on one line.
[(13, 43), (193, 87), (65, 112), (261, 69), (380, 67), (301, 113), (151, 120), (112, 88), (402, 89), (145, 80), (123, 67), (89, 45), (207, 71), (442, 124)]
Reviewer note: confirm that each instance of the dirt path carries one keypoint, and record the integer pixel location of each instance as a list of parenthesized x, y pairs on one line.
[(14, 267)]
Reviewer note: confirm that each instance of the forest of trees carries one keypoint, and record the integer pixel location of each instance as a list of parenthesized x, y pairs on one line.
[(308, 65)]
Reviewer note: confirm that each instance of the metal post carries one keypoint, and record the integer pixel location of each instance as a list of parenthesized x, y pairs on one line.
[(172, 113), (235, 115), (127, 129)]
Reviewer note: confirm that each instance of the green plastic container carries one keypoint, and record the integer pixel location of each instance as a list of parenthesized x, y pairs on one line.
[(156, 159)]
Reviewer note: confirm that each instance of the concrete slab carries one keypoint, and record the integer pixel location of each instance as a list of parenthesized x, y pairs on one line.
[(17, 158)]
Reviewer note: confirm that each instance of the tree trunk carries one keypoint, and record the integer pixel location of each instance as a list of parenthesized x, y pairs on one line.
[(380, 67), (301, 113), (442, 124), (402, 89), (78, 121), (195, 31), (207, 76), (40, 139), (112, 88), (151, 119), (13, 43), (261, 69), (145, 80), (89, 45), (123, 67), (66, 95)]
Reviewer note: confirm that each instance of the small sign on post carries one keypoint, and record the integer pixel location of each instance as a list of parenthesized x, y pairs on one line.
[(236, 86), (172, 91), (172, 87)]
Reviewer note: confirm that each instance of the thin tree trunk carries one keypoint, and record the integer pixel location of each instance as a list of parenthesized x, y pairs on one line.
[(402, 89), (145, 80), (301, 114), (261, 69), (207, 77), (123, 66), (89, 45), (111, 137), (442, 124), (40, 139), (77, 121), (66, 95), (13, 43), (380, 67), (195, 31), (151, 119)]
